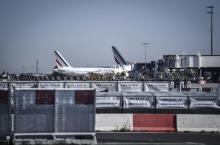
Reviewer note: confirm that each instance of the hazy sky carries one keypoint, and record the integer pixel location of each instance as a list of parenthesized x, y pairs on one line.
[(84, 31)]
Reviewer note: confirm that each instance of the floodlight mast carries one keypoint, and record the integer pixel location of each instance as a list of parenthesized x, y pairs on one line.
[(145, 47), (211, 31)]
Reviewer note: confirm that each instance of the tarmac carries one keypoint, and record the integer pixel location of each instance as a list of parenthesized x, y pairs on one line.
[(156, 138)]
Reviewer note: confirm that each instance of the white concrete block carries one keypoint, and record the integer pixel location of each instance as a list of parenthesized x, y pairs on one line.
[(114, 122), (198, 123)]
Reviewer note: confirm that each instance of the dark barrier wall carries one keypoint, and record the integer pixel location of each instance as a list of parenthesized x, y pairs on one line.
[(5, 121)]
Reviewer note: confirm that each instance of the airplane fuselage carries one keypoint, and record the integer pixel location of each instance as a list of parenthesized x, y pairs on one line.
[(84, 71)]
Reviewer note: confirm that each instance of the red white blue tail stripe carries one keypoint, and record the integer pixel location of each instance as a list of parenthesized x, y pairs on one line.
[(119, 59), (60, 61)]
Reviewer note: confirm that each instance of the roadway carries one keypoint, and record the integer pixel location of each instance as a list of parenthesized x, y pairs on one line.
[(167, 138)]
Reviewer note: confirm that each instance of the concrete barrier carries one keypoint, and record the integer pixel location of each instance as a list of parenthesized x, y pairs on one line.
[(114, 122), (158, 122), (198, 123), (154, 122)]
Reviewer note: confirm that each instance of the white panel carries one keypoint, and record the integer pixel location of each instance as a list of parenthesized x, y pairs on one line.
[(137, 102), (198, 123), (51, 85), (130, 86), (171, 102), (108, 102), (157, 86), (191, 61), (210, 61), (114, 122), (195, 61), (104, 86), (77, 85)]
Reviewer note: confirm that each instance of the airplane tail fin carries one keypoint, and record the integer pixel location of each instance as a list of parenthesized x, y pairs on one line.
[(60, 61), (119, 59)]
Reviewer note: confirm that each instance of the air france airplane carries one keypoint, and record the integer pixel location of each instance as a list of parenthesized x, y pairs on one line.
[(63, 67)]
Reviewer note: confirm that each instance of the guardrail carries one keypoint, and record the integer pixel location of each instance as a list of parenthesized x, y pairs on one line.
[(118, 86), (100, 86)]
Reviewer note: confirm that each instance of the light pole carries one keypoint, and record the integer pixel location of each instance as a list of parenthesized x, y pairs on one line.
[(211, 31), (37, 66), (145, 47)]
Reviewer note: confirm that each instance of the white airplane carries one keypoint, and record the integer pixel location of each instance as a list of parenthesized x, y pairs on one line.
[(63, 67)]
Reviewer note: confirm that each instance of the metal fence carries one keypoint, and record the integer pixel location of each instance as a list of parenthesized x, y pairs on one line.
[(34, 111), (60, 112)]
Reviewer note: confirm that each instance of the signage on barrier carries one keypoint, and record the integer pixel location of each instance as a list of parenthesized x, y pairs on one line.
[(137, 102), (171, 102), (77, 85), (104, 87), (155, 87), (130, 86), (108, 102), (51, 85), (200, 102), (24, 85)]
